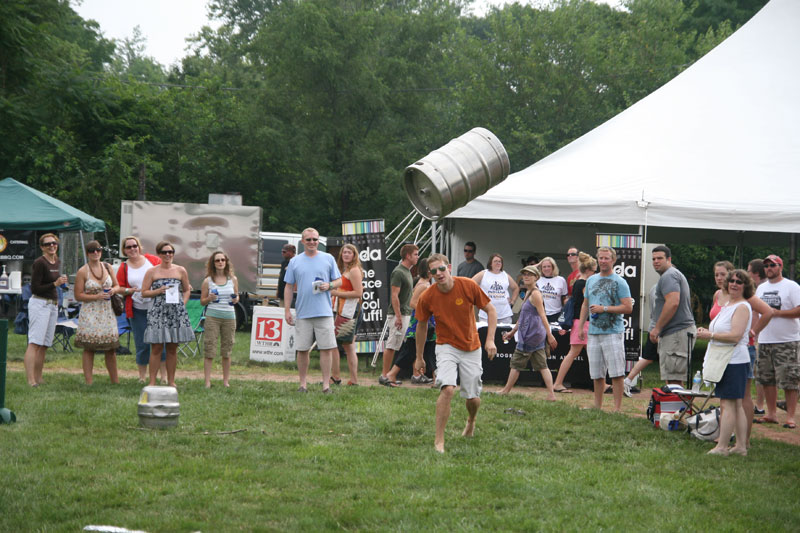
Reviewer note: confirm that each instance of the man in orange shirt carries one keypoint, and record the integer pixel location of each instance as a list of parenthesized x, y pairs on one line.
[(458, 347)]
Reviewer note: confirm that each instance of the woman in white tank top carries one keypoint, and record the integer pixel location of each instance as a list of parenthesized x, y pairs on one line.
[(731, 327), (496, 284), (220, 292)]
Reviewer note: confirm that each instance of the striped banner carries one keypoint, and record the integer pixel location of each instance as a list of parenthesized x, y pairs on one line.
[(360, 227), (619, 241)]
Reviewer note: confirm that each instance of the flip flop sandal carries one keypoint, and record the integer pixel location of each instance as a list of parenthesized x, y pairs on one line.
[(764, 420), (563, 391), (790, 425)]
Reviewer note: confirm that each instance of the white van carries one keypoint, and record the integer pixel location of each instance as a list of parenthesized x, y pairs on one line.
[(271, 258)]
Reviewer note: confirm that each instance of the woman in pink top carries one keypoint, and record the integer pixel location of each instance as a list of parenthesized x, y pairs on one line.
[(721, 297)]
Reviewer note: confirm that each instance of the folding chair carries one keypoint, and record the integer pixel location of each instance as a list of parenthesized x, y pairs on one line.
[(65, 329), (688, 397), (124, 328), (65, 326), (197, 317)]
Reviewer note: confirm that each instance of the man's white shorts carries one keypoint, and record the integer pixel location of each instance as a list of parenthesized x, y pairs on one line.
[(452, 363), (321, 328), (42, 318), (396, 336), (606, 353)]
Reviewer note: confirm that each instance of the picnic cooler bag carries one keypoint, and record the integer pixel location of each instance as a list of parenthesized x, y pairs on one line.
[(663, 402)]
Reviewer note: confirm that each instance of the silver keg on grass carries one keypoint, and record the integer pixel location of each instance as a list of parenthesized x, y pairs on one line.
[(159, 407), (448, 178)]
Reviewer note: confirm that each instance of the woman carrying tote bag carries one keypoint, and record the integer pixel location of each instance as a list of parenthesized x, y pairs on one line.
[(727, 360)]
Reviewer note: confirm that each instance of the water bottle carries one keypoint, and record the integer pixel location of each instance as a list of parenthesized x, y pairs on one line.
[(215, 292), (4, 283), (696, 382), (594, 316)]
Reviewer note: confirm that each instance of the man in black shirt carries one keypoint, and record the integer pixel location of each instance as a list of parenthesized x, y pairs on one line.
[(288, 251)]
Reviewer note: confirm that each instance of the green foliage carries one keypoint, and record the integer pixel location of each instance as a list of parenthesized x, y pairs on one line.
[(313, 108), (697, 264)]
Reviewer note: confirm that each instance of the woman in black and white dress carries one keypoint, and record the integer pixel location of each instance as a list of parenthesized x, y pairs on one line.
[(167, 321)]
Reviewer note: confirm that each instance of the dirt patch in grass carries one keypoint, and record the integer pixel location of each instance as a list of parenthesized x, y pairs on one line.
[(634, 407)]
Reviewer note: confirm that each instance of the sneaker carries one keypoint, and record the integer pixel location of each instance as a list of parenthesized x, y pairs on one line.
[(422, 379), (383, 380), (635, 390), (758, 411), (626, 387)]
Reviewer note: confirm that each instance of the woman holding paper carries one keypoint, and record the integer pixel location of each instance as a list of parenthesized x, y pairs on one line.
[(730, 328), (348, 308), (220, 292), (167, 321)]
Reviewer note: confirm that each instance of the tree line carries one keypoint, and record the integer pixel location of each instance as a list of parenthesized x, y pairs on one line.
[(311, 109)]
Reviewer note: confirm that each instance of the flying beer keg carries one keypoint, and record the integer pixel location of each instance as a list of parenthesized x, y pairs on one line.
[(448, 178)]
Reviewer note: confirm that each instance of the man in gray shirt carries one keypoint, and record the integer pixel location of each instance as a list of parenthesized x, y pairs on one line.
[(470, 266), (674, 328)]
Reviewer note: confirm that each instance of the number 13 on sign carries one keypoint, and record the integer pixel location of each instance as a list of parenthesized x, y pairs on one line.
[(269, 329)]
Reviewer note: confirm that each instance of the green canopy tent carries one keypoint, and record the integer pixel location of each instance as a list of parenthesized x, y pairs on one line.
[(25, 208)]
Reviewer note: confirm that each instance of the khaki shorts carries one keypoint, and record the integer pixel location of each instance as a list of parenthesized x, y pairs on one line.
[(454, 365), (214, 330), (319, 328), (396, 336), (778, 365), (673, 353), (538, 358)]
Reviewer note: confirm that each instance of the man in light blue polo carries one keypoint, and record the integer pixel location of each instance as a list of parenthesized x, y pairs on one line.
[(314, 274), (607, 297)]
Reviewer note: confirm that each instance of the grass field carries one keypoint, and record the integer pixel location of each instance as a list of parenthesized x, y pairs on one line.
[(362, 460)]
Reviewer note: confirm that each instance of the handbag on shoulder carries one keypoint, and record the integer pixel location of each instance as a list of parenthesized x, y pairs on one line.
[(117, 301)]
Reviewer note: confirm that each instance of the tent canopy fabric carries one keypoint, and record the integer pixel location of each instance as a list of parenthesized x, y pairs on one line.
[(717, 147), (25, 208)]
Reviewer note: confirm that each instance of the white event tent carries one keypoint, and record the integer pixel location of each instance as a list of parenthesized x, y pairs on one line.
[(712, 156)]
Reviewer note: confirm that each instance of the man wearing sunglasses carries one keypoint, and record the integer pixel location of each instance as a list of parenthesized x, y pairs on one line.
[(458, 347), (572, 259), (470, 266), (312, 274), (778, 342)]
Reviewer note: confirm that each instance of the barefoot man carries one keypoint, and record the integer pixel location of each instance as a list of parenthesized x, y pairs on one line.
[(458, 347)]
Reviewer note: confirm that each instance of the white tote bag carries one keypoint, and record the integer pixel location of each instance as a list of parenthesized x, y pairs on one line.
[(716, 360)]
